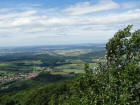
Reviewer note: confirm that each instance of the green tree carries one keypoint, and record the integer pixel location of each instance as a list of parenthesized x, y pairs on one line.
[(123, 48)]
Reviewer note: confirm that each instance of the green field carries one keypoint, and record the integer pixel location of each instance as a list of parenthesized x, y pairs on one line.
[(64, 63), (73, 52)]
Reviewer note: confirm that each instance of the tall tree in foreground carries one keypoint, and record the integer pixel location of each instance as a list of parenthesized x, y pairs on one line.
[(119, 81), (123, 48)]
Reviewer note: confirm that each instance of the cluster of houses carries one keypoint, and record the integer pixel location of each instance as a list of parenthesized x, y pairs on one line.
[(19, 76)]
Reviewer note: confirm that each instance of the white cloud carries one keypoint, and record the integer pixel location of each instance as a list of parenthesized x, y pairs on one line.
[(30, 21), (37, 25), (86, 7)]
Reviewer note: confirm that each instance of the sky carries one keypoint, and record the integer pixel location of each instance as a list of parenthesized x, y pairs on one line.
[(54, 22)]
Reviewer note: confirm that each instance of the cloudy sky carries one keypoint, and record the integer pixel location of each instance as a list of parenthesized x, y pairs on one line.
[(47, 22)]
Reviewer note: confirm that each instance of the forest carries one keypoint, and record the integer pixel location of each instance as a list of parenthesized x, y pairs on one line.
[(113, 80)]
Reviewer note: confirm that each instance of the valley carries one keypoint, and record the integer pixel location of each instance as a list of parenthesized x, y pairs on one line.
[(20, 65)]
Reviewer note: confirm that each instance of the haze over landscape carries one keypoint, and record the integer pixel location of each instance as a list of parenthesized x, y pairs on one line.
[(52, 22)]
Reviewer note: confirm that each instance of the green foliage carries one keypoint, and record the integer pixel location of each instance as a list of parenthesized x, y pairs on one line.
[(87, 69), (123, 48)]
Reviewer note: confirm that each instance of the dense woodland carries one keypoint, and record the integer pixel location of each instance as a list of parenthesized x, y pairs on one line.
[(114, 82)]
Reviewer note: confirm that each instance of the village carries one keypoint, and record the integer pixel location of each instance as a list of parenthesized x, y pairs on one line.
[(19, 76)]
